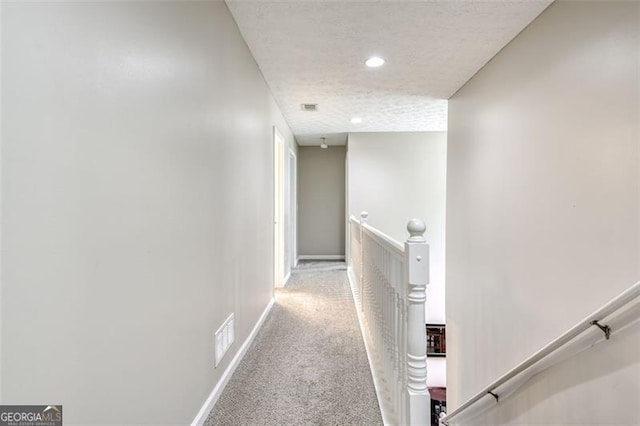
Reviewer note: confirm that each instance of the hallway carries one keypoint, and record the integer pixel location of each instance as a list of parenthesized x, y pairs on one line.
[(308, 364), (165, 164)]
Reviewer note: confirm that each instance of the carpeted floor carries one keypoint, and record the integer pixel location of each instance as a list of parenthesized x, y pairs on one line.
[(308, 365), (319, 265)]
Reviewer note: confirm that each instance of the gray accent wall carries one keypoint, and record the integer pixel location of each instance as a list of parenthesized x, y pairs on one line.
[(543, 213), (321, 201), (137, 196)]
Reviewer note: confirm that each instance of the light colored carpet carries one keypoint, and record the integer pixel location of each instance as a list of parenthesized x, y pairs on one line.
[(319, 265), (308, 365)]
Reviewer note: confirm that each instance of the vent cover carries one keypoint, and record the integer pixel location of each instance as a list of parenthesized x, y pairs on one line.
[(224, 337), (309, 107)]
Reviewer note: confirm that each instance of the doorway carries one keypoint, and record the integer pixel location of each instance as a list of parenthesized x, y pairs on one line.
[(278, 208), (291, 207)]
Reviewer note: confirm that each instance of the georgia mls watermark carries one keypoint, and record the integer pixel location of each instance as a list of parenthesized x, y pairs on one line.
[(30, 415)]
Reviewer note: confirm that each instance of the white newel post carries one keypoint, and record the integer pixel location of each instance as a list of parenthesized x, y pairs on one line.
[(416, 251), (363, 221)]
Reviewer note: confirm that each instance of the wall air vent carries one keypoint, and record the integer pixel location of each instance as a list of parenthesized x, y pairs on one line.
[(309, 107), (224, 337)]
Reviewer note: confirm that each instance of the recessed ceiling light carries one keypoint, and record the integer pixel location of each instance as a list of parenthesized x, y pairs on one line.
[(374, 62), (356, 120)]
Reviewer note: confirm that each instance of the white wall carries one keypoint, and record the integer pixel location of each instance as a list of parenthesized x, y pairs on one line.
[(137, 204), (398, 176), (321, 201), (543, 214)]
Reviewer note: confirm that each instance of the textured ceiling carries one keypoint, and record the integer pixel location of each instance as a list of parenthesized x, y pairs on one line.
[(314, 52)]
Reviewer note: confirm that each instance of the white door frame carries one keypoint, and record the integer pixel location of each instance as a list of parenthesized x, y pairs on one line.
[(278, 208), (292, 183)]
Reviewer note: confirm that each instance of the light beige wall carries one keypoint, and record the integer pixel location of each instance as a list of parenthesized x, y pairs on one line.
[(137, 204), (542, 214), (398, 176), (321, 200)]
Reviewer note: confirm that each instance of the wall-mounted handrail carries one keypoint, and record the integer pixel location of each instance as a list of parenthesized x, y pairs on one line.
[(592, 320)]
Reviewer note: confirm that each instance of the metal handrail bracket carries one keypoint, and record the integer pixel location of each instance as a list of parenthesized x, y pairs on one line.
[(591, 320)]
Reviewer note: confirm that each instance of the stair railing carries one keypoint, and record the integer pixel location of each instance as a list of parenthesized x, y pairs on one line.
[(595, 320), (388, 281)]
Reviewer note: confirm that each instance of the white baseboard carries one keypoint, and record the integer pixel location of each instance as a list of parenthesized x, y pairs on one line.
[(286, 279), (388, 416), (321, 257), (224, 379)]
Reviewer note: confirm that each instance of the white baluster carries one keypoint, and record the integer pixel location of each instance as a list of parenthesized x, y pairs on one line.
[(391, 297), (417, 266), (363, 221)]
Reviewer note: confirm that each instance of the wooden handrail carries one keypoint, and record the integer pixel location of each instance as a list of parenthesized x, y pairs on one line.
[(389, 282)]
